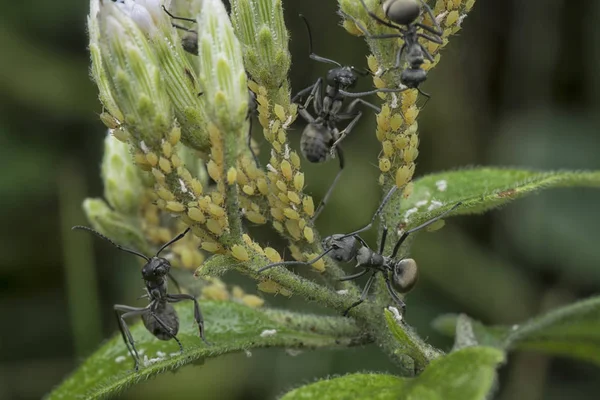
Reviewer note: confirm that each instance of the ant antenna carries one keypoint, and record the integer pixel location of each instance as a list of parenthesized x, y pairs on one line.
[(361, 71), (179, 18), (309, 262), (85, 228), (310, 48), (170, 242)]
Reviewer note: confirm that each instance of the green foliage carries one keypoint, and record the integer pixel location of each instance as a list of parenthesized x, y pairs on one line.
[(231, 327), (571, 331), (483, 189), (464, 375)]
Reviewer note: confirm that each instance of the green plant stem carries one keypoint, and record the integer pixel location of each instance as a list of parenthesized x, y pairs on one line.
[(231, 149)]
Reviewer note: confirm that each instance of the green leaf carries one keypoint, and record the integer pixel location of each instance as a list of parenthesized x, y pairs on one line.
[(481, 189), (466, 374), (571, 331), (230, 327)]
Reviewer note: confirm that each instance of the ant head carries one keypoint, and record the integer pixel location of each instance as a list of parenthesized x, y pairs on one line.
[(405, 275), (189, 42), (402, 12), (342, 76), (344, 248), (156, 268)]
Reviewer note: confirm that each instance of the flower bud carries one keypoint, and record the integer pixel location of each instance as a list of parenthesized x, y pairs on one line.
[(123, 187), (260, 27)]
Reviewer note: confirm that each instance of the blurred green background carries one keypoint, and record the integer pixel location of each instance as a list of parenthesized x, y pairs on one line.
[(519, 86)]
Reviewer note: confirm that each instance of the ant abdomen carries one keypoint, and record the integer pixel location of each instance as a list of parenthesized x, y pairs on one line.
[(402, 12), (413, 77), (315, 143), (405, 275), (168, 316)]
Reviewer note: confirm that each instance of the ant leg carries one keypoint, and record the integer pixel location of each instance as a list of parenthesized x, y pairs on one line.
[(312, 55), (303, 92), (437, 29), (383, 238), (361, 94), (180, 18), (314, 260), (306, 115), (125, 333), (175, 239), (345, 132), (174, 298), (418, 228), (376, 18), (433, 39), (167, 329), (174, 282), (387, 197), (363, 295), (330, 190), (354, 103), (394, 295), (424, 95), (250, 142), (426, 53), (353, 276)]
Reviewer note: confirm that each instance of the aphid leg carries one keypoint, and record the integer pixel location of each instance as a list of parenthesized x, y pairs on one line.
[(364, 293), (325, 199), (174, 298)]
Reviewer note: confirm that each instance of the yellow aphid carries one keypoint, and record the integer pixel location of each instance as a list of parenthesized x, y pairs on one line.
[(396, 121), (296, 253), (214, 227), (286, 170), (241, 177), (291, 214), (249, 190), (165, 194), (381, 179), (380, 134), (409, 97), (152, 159), (281, 186), (408, 189), (469, 5), (281, 136), (214, 171), (309, 234), (165, 165), (403, 175), (411, 114), (293, 196), (176, 161), (280, 112), (275, 126), (255, 218), (452, 18), (269, 286), (283, 198), (216, 210), (217, 198), (253, 86), (385, 164), (237, 292), (308, 206), (174, 206), (263, 119), (299, 181), (204, 202), (272, 254), (167, 149), (301, 223), (211, 247), (253, 301), (277, 213), (262, 186), (414, 141), (197, 187), (254, 207), (293, 228), (140, 159), (278, 226), (239, 252), (401, 142), (277, 147), (184, 173), (247, 239), (388, 148), (378, 82), (295, 159), (215, 292), (372, 63), (319, 265), (196, 215), (175, 136), (351, 28), (231, 176), (411, 154)]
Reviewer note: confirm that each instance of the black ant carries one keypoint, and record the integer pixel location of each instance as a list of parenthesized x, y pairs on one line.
[(403, 14), (159, 317), (321, 137), (400, 275), (189, 42)]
